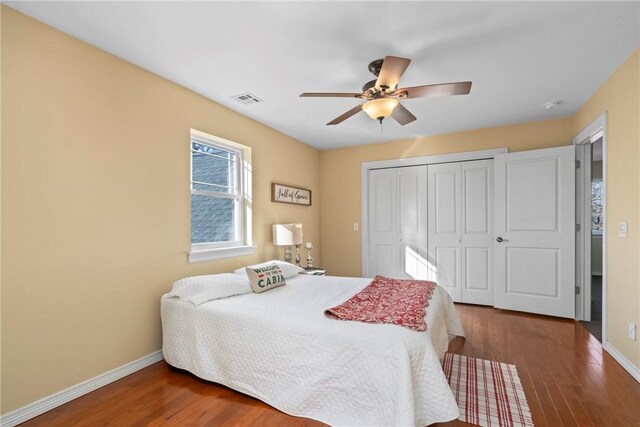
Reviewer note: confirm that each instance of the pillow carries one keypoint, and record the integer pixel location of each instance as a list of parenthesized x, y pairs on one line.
[(263, 278), (199, 289), (288, 270)]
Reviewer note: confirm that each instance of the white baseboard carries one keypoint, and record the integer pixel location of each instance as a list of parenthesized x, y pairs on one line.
[(623, 361), (48, 403)]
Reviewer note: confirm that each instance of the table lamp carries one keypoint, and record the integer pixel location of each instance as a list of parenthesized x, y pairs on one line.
[(287, 235)]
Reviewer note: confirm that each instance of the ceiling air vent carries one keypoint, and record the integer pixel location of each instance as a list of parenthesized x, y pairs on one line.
[(247, 98)]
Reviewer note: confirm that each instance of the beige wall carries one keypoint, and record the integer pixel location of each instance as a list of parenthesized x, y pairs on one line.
[(95, 204), (620, 98), (340, 202)]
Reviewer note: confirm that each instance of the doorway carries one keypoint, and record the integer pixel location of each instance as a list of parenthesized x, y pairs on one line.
[(594, 325), (591, 268)]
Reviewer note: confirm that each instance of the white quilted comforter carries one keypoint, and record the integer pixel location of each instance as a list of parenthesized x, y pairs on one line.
[(279, 347)]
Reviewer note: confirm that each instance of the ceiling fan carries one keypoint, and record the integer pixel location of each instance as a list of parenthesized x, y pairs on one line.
[(382, 94)]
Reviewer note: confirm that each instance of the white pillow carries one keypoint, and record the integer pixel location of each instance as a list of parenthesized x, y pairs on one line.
[(288, 270), (199, 289)]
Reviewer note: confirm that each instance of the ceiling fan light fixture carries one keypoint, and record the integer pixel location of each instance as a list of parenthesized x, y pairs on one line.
[(380, 109)]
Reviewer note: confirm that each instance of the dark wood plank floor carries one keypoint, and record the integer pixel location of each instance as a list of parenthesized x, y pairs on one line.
[(568, 381)]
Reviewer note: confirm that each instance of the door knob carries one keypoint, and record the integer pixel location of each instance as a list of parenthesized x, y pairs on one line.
[(500, 240)]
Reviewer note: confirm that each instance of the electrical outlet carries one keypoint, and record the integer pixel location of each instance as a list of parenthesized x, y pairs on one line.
[(633, 331), (356, 227), (622, 229)]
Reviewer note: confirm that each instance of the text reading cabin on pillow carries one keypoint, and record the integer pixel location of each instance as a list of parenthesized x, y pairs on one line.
[(265, 277)]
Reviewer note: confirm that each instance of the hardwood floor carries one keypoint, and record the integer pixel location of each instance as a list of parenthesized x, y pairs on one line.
[(568, 381)]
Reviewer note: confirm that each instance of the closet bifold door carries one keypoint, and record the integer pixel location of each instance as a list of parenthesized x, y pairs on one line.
[(460, 230), (444, 226), (412, 222), (477, 232), (383, 223)]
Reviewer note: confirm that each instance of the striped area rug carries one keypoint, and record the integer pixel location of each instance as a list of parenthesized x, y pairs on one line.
[(488, 393)]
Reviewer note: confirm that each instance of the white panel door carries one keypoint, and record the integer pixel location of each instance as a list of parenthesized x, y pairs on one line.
[(444, 226), (535, 231), (477, 232), (383, 220), (412, 222)]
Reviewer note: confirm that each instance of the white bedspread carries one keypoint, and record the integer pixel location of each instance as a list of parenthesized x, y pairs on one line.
[(279, 347)]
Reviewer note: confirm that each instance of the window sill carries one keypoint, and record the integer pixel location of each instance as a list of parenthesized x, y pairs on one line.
[(201, 255)]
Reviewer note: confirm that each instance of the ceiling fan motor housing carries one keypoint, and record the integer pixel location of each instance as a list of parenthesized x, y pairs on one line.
[(375, 67), (369, 85)]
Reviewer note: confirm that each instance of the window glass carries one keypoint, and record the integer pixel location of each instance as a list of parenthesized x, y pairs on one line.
[(212, 219), (216, 193), (213, 169)]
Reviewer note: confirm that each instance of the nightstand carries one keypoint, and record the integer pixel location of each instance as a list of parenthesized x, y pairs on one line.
[(316, 271)]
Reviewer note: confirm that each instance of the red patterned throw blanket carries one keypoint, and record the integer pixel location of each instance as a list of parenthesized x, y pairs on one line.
[(384, 300)]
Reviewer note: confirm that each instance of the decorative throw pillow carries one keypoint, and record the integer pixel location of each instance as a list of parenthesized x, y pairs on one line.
[(265, 277), (288, 270)]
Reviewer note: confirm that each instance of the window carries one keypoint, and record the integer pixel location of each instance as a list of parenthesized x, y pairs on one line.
[(218, 214), (216, 193), (597, 207)]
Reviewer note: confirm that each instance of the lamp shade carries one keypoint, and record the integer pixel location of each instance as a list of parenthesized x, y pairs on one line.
[(381, 108), (287, 234)]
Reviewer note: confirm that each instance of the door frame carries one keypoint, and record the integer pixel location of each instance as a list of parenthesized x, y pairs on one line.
[(594, 131), (408, 161)]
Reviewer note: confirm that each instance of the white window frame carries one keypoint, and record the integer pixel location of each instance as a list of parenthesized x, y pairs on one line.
[(241, 244)]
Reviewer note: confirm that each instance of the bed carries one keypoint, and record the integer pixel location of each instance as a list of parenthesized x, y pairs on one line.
[(279, 347)]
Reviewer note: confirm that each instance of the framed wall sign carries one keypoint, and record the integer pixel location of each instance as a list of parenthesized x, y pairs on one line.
[(288, 194)]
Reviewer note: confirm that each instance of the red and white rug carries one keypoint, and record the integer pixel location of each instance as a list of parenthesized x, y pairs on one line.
[(488, 393)]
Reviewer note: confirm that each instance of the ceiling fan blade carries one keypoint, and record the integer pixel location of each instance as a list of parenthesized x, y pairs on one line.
[(355, 110), (330, 95), (392, 69), (402, 115), (444, 89)]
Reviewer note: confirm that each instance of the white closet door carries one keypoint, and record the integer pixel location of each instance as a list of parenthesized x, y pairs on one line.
[(444, 225), (477, 232), (383, 220), (412, 222), (535, 231)]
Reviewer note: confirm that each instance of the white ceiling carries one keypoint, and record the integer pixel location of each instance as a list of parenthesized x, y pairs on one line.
[(519, 55)]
